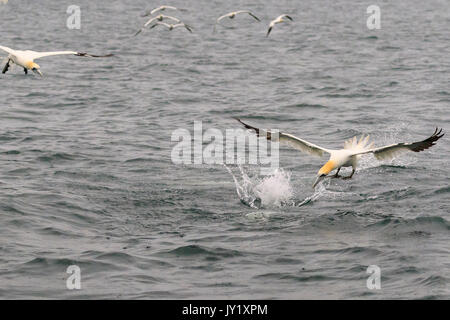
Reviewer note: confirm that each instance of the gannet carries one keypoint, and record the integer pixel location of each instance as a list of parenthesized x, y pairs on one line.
[(352, 151), (161, 8), (172, 26), (233, 14), (276, 21), (26, 58), (161, 17)]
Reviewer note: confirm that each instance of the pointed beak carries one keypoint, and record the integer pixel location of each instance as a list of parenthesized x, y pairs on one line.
[(37, 71), (318, 179)]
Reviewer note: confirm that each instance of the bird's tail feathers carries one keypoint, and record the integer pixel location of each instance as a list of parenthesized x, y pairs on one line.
[(358, 145)]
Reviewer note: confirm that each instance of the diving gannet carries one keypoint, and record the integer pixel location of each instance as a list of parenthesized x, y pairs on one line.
[(353, 149)]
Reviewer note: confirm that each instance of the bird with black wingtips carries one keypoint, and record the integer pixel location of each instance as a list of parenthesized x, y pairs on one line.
[(172, 26), (158, 18), (232, 15), (161, 8), (279, 19), (350, 154), (26, 58)]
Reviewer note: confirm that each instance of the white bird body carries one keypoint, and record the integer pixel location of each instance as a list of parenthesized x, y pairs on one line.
[(233, 14), (158, 18), (350, 154), (172, 26), (343, 158), (279, 19), (21, 58), (26, 58), (161, 17), (161, 8)]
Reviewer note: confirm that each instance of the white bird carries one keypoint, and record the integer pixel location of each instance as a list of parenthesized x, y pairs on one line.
[(172, 26), (26, 58), (276, 21), (353, 149), (161, 8), (233, 14), (160, 17)]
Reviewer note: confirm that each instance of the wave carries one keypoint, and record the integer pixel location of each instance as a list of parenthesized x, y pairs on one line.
[(210, 253)]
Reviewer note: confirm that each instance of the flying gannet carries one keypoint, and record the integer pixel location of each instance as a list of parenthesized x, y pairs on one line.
[(161, 17), (233, 14), (161, 8), (26, 58), (276, 21), (172, 26), (353, 149)]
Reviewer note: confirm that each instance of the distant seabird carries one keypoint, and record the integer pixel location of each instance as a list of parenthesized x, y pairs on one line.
[(26, 58), (161, 8), (233, 14), (276, 21), (353, 149), (161, 17), (172, 26)]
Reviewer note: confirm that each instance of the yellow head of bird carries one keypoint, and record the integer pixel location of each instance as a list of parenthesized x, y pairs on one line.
[(32, 65), (326, 169), (35, 68)]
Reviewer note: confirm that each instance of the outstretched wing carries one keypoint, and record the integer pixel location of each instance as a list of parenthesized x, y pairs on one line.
[(155, 10), (249, 12), (138, 32), (188, 28), (160, 24), (9, 50), (84, 54), (171, 18), (389, 152), (36, 55), (290, 140), (222, 17), (162, 8), (149, 21)]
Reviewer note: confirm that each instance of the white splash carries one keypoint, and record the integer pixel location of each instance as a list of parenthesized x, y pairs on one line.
[(277, 190), (274, 190)]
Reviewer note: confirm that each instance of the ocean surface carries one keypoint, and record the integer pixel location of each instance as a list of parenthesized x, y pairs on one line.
[(87, 178)]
